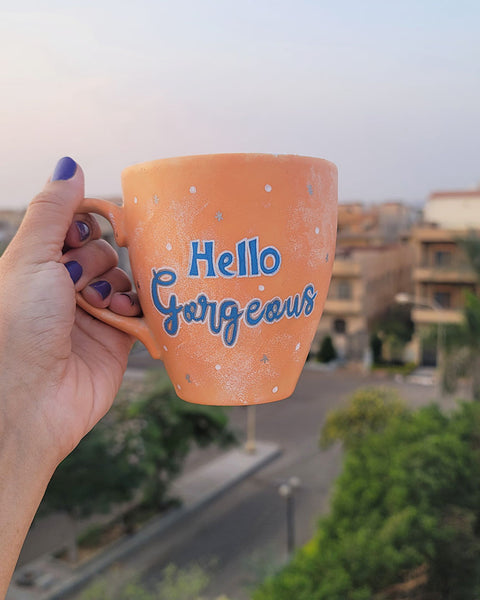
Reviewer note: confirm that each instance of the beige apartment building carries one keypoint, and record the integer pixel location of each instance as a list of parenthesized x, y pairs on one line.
[(442, 272), (373, 262), (364, 283)]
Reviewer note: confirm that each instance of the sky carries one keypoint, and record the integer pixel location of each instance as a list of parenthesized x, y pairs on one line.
[(389, 91)]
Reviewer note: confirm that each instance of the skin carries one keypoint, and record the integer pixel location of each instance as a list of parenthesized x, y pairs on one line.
[(60, 369)]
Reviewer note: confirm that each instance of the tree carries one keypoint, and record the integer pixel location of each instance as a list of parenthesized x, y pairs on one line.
[(327, 350), (141, 444), (162, 430), (393, 330), (96, 474), (369, 410), (462, 348), (176, 584), (407, 501), (461, 343), (376, 346)]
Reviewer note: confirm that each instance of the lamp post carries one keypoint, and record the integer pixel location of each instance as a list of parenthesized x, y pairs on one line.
[(403, 298), (287, 491), (250, 445)]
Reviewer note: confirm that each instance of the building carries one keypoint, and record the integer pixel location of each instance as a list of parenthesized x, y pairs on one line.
[(373, 262), (442, 271), (364, 283)]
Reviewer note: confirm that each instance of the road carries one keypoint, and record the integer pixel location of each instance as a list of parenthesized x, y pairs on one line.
[(241, 536)]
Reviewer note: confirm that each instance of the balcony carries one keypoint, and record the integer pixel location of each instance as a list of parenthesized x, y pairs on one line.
[(455, 273), (346, 268), (337, 306), (427, 316)]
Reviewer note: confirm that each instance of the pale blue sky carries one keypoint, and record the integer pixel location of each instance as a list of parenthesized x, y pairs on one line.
[(388, 91)]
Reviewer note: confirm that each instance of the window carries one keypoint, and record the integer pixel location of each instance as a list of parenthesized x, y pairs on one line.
[(339, 326), (442, 258), (442, 299), (344, 290)]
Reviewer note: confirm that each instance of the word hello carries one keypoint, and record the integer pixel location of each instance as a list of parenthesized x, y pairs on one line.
[(247, 260)]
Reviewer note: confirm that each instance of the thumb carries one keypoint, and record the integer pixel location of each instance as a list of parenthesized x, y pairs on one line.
[(41, 235)]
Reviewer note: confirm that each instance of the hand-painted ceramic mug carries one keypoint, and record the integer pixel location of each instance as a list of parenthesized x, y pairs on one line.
[(231, 256)]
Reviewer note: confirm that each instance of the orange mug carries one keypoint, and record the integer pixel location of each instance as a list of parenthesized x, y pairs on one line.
[(231, 256)]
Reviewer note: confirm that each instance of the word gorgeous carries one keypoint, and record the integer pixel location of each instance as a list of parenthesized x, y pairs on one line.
[(224, 318)]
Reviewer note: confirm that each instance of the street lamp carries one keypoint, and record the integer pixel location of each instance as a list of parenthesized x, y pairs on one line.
[(287, 491), (403, 298), (250, 445)]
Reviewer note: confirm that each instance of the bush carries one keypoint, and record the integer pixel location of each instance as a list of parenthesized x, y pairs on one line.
[(327, 350), (408, 497)]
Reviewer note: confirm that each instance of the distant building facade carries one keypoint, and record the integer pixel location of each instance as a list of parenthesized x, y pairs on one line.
[(373, 262), (364, 283), (442, 272)]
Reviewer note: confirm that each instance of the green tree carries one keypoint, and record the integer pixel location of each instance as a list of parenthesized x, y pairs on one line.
[(327, 350), (461, 343), (376, 346), (98, 473), (393, 330), (408, 497), (176, 584), (163, 429), (370, 409), (141, 445), (471, 248), (462, 348)]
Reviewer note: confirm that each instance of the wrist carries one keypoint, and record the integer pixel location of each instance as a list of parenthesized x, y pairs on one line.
[(24, 476)]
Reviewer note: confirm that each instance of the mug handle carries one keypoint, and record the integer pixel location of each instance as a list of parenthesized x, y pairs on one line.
[(135, 326)]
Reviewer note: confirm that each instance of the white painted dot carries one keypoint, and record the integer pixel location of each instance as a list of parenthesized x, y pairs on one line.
[(297, 347), (218, 367), (193, 189), (165, 348), (275, 390), (135, 200), (268, 188), (261, 288), (168, 246), (317, 230)]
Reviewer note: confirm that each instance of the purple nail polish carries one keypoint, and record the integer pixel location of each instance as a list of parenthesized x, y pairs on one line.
[(102, 287), (83, 230), (74, 269), (65, 169)]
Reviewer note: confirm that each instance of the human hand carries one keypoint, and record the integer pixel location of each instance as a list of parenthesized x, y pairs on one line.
[(60, 368)]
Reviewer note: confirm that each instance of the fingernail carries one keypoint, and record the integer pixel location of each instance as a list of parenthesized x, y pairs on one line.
[(83, 230), (65, 169), (102, 287), (75, 270)]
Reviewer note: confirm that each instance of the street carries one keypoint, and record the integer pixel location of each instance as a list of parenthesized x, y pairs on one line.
[(241, 536)]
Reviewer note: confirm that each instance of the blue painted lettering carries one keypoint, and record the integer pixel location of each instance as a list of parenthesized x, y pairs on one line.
[(247, 261), (224, 318), (277, 260), (206, 255), (224, 261)]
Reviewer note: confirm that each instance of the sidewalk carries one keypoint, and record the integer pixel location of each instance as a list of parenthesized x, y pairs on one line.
[(53, 580)]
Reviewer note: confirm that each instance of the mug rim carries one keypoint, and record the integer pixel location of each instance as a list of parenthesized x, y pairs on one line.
[(147, 165)]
